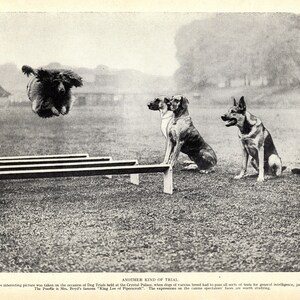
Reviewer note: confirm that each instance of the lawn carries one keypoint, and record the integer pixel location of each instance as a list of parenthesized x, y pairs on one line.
[(95, 224)]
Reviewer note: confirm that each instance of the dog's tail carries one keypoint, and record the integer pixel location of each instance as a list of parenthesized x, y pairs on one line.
[(28, 70), (296, 171)]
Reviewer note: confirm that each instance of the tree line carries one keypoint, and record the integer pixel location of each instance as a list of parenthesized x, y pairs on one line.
[(245, 46)]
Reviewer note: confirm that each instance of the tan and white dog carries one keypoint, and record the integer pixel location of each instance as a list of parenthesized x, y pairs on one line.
[(182, 136), (256, 141), (161, 104)]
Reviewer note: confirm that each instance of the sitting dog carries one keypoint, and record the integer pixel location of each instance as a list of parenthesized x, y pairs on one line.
[(161, 104), (183, 136), (50, 90), (255, 140)]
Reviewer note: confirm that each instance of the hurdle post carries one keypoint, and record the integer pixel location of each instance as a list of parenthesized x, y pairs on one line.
[(134, 178), (109, 176), (168, 181)]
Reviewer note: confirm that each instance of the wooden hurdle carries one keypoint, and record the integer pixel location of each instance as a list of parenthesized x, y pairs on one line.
[(95, 171), (83, 163), (73, 165), (69, 165)]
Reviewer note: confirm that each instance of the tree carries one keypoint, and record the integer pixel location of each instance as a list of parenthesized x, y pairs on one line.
[(230, 46)]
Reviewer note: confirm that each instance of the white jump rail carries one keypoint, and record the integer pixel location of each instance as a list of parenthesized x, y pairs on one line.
[(69, 165), (53, 160), (58, 156), (96, 171)]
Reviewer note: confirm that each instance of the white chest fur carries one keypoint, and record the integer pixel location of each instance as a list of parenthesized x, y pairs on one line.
[(165, 120)]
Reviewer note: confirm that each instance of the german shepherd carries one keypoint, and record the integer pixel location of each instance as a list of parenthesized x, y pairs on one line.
[(255, 140)]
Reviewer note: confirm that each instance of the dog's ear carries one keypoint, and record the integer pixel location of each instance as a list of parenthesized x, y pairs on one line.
[(43, 75), (72, 78), (234, 101), (184, 101), (167, 100), (242, 104), (27, 70)]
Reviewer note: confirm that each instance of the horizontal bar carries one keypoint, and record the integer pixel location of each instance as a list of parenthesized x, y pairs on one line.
[(58, 156), (47, 173), (53, 160), (72, 165)]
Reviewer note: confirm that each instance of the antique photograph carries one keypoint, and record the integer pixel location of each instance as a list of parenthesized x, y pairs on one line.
[(149, 142)]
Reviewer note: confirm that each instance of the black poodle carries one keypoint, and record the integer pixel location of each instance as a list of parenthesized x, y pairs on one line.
[(50, 90)]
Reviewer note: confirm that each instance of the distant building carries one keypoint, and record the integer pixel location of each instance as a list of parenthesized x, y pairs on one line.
[(119, 86), (106, 80), (238, 82)]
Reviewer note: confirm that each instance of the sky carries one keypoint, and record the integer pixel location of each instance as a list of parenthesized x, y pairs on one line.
[(141, 41)]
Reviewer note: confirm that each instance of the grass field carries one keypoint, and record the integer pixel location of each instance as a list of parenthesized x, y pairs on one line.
[(94, 224)]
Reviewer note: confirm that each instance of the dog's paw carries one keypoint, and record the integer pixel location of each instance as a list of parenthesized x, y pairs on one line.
[(188, 162), (208, 171), (54, 111), (191, 167), (240, 176), (63, 110)]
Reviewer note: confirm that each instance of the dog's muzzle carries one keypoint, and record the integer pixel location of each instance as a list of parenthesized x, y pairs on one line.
[(152, 106), (61, 89), (230, 121), (173, 107)]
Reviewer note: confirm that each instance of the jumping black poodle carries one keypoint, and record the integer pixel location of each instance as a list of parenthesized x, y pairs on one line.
[(50, 90)]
